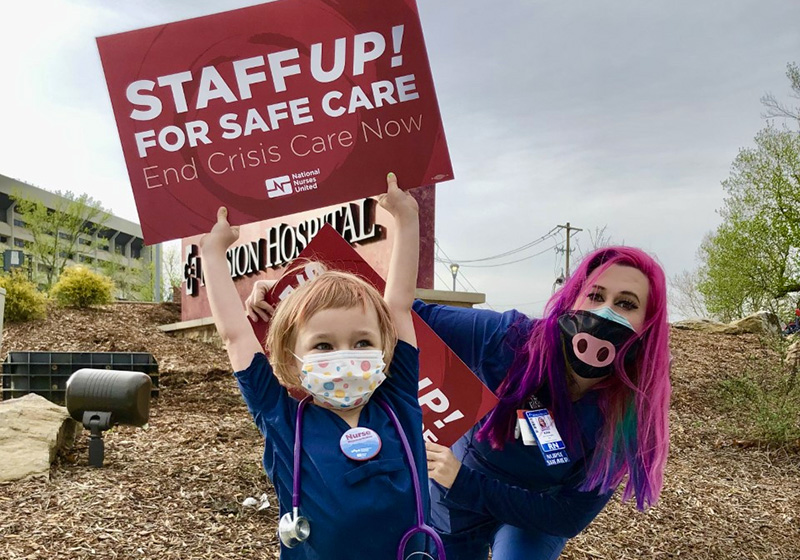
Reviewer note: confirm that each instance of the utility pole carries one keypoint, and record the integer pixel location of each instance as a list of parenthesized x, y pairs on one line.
[(569, 229)]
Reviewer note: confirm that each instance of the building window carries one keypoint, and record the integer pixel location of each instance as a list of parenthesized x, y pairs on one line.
[(83, 241), (19, 243), (63, 235), (3, 239), (20, 223)]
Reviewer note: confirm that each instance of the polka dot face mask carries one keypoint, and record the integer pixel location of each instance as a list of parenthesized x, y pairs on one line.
[(342, 379)]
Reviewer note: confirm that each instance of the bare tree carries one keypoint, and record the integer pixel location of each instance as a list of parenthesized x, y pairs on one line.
[(778, 109), (597, 238), (684, 297)]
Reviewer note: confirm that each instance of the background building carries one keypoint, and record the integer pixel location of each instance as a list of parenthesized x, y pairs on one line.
[(118, 241)]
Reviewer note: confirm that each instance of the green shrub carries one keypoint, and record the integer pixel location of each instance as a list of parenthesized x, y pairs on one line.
[(23, 301), (80, 287), (763, 401)]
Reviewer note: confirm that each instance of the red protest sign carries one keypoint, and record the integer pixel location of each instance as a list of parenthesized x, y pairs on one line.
[(452, 397), (273, 109)]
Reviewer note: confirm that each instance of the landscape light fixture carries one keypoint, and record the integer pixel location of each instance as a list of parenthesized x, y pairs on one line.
[(454, 271), (102, 398)]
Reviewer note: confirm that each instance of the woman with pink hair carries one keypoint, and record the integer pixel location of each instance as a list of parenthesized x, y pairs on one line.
[(596, 366)]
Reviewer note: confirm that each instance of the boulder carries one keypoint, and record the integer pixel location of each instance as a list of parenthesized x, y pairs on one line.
[(32, 431), (763, 322), (705, 325)]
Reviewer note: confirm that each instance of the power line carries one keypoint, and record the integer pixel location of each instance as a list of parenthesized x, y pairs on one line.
[(557, 264), (510, 262), (438, 249), (440, 279), (471, 285), (507, 253)]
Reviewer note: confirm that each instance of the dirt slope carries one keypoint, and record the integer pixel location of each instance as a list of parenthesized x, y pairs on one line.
[(173, 491)]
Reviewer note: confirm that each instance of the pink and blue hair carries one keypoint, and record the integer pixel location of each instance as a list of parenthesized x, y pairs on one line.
[(634, 437)]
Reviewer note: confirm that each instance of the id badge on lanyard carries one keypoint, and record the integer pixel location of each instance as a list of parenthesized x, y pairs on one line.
[(538, 428)]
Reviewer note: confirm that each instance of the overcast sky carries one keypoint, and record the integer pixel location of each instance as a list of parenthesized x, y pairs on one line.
[(623, 114)]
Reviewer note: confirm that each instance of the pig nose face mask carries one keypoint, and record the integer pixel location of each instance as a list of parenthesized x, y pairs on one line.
[(592, 340)]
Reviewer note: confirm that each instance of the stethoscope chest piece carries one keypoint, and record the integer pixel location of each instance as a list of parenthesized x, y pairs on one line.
[(293, 529)]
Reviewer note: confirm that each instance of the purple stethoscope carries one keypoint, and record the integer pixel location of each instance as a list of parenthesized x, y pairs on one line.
[(294, 529)]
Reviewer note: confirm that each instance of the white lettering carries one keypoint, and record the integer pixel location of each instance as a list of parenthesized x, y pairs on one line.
[(136, 97), (245, 80)]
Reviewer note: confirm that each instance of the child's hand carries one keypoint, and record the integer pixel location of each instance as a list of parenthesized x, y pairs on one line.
[(221, 236), (397, 201), (443, 466), (256, 304)]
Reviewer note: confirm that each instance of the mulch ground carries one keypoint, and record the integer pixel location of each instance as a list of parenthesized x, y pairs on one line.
[(174, 490)]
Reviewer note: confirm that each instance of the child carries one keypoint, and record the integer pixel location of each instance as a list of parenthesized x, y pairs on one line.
[(358, 500)]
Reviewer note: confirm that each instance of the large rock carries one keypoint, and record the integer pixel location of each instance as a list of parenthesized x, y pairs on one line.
[(705, 325), (763, 322), (32, 431)]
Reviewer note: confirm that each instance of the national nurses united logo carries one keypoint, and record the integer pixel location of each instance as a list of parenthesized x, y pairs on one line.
[(279, 186), (192, 271), (293, 183)]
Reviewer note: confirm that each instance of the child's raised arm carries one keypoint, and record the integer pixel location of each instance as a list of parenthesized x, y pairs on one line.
[(226, 306), (401, 281)]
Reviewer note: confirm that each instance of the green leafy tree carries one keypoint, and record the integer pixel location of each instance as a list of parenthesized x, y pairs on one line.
[(145, 287), (172, 270), (752, 260), (56, 230), (132, 282)]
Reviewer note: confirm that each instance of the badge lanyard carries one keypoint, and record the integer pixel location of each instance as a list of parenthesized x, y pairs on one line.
[(537, 427), (294, 529)]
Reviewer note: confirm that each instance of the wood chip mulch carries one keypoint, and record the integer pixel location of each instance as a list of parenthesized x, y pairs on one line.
[(174, 490)]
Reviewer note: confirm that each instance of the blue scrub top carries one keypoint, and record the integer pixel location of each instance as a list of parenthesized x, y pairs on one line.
[(356, 509), (512, 485)]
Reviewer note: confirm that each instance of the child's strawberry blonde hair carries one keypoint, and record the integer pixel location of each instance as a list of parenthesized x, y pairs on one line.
[(331, 289)]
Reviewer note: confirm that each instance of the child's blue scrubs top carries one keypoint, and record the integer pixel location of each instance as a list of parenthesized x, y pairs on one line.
[(512, 486), (356, 509)]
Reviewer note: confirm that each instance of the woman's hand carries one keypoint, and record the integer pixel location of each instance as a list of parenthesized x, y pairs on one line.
[(256, 303), (397, 201), (442, 464), (221, 236)]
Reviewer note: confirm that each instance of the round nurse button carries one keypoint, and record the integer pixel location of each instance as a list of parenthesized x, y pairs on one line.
[(360, 444)]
